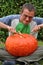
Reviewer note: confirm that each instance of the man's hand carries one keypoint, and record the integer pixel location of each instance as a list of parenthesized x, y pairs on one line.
[(11, 29), (36, 28)]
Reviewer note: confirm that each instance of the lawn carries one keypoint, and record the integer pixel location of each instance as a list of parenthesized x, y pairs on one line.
[(39, 43)]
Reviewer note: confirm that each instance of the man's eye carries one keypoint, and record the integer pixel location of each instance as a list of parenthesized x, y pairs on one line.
[(28, 16), (25, 15)]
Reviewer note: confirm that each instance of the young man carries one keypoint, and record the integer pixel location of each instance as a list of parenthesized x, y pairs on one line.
[(25, 25)]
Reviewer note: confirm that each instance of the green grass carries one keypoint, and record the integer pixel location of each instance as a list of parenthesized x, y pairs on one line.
[(39, 43), (1, 44)]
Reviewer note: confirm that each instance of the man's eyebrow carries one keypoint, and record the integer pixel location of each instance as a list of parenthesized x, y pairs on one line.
[(28, 16)]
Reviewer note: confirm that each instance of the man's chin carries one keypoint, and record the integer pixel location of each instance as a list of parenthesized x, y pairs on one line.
[(26, 23)]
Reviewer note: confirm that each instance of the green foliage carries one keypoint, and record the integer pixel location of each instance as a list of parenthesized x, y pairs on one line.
[(8, 7), (40, 34), (3, 35)]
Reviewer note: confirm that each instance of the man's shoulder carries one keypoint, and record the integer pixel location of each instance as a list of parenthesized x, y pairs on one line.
[(33, 23), (14, 22)]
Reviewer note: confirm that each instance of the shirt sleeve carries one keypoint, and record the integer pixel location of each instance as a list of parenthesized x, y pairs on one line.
[(7, 19), (38, 20)]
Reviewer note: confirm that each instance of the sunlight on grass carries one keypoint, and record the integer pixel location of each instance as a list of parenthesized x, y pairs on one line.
[(40, 42)]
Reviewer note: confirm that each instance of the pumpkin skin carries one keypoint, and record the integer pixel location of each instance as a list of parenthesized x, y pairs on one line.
[(21, 45)]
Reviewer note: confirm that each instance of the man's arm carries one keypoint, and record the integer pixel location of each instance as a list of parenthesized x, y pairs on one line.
[(37, 28), (9, 28)]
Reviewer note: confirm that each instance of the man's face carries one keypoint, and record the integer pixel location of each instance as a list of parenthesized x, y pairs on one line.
[(26, 16)]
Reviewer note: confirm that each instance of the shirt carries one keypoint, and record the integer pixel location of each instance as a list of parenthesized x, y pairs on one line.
[(15, 22)]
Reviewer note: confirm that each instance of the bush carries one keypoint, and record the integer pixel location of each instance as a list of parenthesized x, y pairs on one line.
[(3, 35), (40, 35)]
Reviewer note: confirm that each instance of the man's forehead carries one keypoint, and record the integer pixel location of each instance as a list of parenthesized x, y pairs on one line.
[(29, 13), (28, 9)]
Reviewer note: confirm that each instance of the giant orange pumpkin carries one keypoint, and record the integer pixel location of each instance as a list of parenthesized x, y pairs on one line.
[(21, 45)]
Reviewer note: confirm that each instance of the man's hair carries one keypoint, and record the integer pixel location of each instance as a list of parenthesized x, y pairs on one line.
[(28, 6)]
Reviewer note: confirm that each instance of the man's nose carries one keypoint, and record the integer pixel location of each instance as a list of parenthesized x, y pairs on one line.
[(27, 18)]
